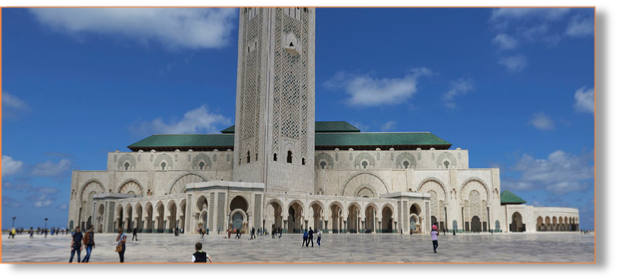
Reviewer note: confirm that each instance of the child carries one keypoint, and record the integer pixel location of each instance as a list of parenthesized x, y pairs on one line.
[(200, 256), (434, 237)]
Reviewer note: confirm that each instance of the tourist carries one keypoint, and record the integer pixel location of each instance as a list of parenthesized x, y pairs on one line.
[(176, 231), (200, 256), (121, 239), (207, 231), (89, 243), (76, 244), (252, 236), (201, 233), (434, 237), (237, 233), (310, 237), (45, 230), (280, 233), (319, 237), (31, 232), (273, 233), (305, 236), (134, 234)]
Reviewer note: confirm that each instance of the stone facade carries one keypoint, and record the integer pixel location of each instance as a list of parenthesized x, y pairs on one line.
[(274, 177)]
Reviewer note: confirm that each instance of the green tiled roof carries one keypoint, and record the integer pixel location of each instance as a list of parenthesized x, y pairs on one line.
[(507, 197), (184, 140), (380, 139), (320, 126)]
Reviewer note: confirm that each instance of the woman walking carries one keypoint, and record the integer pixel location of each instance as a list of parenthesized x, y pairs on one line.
[(120, 247)]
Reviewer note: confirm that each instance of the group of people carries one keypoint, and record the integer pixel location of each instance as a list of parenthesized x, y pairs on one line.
[(584, 231), (308, 236), (38, 231)]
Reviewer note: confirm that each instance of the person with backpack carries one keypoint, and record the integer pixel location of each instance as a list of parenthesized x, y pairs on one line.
[(76, 244), (434, 237), (89, 243), (200, 256)]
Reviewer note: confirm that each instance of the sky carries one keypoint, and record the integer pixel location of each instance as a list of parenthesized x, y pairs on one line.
[(513, 86)]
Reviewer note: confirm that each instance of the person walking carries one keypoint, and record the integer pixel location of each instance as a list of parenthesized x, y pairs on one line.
[(202, 233), (200, 256), (305, 236), (76, 244), (310, 238), (45, 230), (176, 231), (121, 239), (207, 231), (134, 234), (319, 237), (89, 243), (252, 233), (280, 233), (31, 232), (434, 237), (237, 233)]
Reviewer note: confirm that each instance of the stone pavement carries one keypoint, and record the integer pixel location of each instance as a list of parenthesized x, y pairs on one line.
[(515, 247)]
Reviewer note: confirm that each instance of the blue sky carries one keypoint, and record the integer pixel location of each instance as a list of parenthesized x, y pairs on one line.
[(513, 86)]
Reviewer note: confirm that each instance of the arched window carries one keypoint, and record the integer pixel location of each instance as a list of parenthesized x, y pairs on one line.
[(406, 164), (364, 163), (323, 164), (163, 165), (275, 157), (446, 163), (201, 165), (289, 156), (126, 166), (303, 161), (248, 157)]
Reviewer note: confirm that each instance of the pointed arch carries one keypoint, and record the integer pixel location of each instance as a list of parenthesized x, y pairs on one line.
[(179, 185)]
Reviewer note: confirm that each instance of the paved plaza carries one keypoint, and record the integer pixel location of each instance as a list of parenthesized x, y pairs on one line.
[(349, 248)]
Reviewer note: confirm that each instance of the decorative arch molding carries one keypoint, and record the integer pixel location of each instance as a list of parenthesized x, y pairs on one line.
[(90, 186), (179, 184), (401, 158), (245, 198), (447, 156), (364, 157), (126, 158), (363, 189), (136, 187), (169, 163), (245, 219), (336, 203), (275, 201), (371, 205), (326, 158), (442, 189), (464, 188), (302, 206), (354, 203), (199, 159), (319, 203), (391, 207), (357, 175)]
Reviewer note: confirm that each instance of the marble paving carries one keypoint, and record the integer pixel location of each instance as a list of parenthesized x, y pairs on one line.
[(516, 247)]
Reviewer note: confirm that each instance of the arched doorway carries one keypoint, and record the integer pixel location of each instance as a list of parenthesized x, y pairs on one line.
[(517, 223), (237, 221), (335, 218), (149, 218), (100, 217), (128, 226), (295, 217), (353, 218), (273, 217), (476, 224), (238, 203), (370, 218), (415, 211), (316, 207), (414, 223), (160, 217), (171, 217), (387, 219), (539, 223)]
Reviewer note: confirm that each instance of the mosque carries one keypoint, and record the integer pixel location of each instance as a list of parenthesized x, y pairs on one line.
[(279, 168)]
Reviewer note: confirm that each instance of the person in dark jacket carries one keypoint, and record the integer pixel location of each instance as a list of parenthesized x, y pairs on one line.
[(76, 244), (134, 234), (199, 255), (310, 237)]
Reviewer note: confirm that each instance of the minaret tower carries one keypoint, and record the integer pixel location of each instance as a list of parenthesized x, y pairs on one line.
[(274, 139)]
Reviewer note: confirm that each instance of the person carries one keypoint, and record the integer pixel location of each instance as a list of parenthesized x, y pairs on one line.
[(121, 239), (200, 256), (134, 234), (237, 233), (176, 231), (89, 244), (45, 230), (31, 232), (207, 231), (444, 230), (280, 233), (229, 234), (319, 237), (76, 244), (434, 237), (305, 236), (202, 233), (310, 237), (252, 233)]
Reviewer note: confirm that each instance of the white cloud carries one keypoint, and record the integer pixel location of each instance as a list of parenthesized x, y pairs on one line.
[(584, 100), (559, 173), (458, 87), (542, 122), (63, 206), (360, 126), (522, 13), (366, 91), (10, 202), (11, 166), (198, 120), (12, 106), (43, 203), (50, 169), (505, 41), (515, 63), (580, 27), (534, 32), (388, 126), (190, 28)]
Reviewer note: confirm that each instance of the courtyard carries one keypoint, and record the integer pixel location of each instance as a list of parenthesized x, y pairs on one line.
[(344, 248)]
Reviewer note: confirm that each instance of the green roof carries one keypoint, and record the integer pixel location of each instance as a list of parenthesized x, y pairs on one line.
[(507, 197), (380, 139), (320, 126), (187, 141)]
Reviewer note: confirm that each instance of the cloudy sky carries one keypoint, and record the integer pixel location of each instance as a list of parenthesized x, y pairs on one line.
[(513, 86)]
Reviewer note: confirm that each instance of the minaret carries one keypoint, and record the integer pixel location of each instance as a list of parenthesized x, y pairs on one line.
[(274, 139)]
